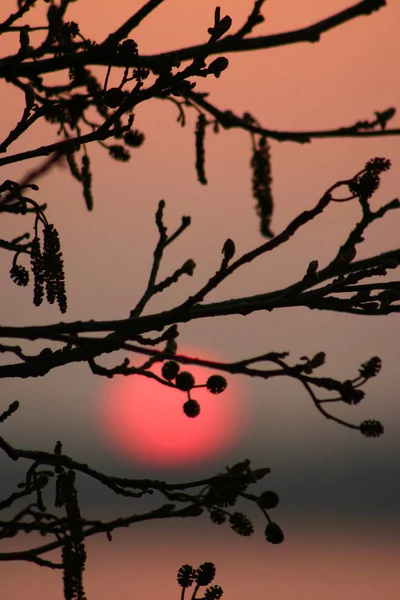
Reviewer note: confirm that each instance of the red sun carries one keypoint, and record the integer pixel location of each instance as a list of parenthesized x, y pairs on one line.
[(145, 421)]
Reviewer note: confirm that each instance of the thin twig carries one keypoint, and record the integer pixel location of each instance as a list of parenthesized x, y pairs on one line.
[(133, 22)]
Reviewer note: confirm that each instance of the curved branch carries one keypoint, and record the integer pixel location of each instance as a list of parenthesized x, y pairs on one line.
[(228, 44), (229, 120)]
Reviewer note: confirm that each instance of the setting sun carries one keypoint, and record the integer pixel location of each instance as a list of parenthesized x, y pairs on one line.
[(146, 422)]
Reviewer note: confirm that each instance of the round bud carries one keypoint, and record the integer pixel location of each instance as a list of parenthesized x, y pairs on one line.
[(371, 428), (134, 138), (191, 408), (274, 534), (268, 500), (184, 381), (218, 65), (371, 367), (205, 573), (128, 47), (170, 370), (113, 97), (216, 384)]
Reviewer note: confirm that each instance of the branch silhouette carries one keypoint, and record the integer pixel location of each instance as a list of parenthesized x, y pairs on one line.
[(82, 110)]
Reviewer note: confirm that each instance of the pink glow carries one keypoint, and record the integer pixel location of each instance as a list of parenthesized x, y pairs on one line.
[(145, 420)]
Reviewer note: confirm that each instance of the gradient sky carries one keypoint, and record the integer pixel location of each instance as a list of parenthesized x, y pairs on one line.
[(339, 491)]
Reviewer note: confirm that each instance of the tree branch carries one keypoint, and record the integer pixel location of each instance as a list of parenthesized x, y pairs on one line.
[(68, 145), (229, 43), (133, 22), (229, 120)]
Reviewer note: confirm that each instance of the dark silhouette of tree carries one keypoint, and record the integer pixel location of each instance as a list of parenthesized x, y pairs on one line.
[(84, 111)]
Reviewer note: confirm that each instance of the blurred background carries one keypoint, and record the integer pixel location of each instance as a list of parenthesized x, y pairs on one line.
[(339, 491)]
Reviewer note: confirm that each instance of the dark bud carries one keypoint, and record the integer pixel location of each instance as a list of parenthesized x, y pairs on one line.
[(378, 165), (186, 576), (213, 593), (170, 370), (382, 117), (311, 273), (216, 384), (365, 185), (371, 428), (220, 27), (128, 48), (171, 347), (268, 500), (371, 368), (171, 333), (186, 221), (119, 153), (217, 516), (10, 410), (218, 65), (184, 381), (228, 250), (349, 394), (189, 267), (134, 138), (191, 408), (19, 275), (241, 524), (274, 534), (113, 97), (318, 360), (261, 473), (240, 468), (205, 573)]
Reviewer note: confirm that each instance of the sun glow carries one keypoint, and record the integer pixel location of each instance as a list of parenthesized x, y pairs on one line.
[(145, 420)]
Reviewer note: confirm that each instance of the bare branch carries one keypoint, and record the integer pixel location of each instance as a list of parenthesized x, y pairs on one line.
[(229, 120), (133, 22), (23, 9), (60, 148), (227, 44)]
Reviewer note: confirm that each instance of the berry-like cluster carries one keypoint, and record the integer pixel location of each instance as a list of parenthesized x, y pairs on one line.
[(185, 382), (367, 182), (202, 576)]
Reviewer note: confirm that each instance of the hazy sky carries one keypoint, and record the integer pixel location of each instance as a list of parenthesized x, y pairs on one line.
[(339, 491)]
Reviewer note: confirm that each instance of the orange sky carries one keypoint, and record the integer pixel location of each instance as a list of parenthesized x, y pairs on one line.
[(350, 74)]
